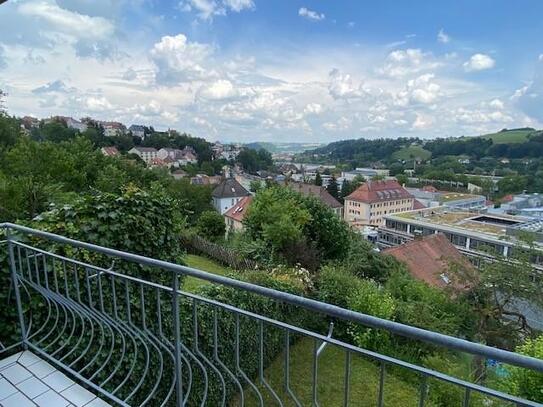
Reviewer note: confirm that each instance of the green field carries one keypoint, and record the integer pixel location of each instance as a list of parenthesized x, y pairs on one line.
[(509, 136), (412, 152), (201, 263), (364, 380)]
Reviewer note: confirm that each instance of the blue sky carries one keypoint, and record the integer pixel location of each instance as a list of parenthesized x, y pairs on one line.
[(241, 70)]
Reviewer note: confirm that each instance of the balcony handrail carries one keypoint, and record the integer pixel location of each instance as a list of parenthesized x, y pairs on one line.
[(424, 335)]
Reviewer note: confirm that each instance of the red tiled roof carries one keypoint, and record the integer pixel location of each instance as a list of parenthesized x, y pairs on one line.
[(418, 204), (238, 211), (379, 191), (110, 151), (429, 188), (428, 259)]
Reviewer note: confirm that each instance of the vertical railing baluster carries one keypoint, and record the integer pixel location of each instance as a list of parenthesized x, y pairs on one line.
[(423, 390), (347, 378), (45, 271), (467, 394), (177, 341), (100, 293), (36, 268), (89, 295), (315, 371), (66, 289), (381, 394), (114, 297), (142, 301), (15, 281), (127, 301), (77, 290), (55, 278), (159, 312)]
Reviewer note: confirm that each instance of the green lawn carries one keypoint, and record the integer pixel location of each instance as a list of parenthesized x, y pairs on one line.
[(202, 263), (364, 380), (512, 136), (412, 152)]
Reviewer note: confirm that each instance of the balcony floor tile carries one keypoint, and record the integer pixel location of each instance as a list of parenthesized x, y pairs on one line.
[(27, 380)]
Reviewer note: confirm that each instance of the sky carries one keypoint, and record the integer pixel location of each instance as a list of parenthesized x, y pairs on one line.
[(278, 70)]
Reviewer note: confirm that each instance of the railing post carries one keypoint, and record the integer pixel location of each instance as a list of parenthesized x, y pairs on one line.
[(177, 341), (15, 280)]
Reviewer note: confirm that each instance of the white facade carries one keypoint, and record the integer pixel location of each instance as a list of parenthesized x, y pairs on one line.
[(145, 153), (222, 205)]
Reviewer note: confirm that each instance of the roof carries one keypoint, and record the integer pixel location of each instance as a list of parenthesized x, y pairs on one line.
[(110, 151), (145, 149), (418, 204), (317, 191), (238, 211), (428, 259), (229, 188), (136, 127), (379, 191)]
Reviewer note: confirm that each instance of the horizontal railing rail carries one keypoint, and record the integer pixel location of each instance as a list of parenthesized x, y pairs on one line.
[(128, 338)]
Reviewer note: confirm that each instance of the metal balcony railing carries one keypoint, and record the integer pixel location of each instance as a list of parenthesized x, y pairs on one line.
[(120, 324)]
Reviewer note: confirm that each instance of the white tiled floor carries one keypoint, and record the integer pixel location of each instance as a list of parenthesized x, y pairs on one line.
[(27, 380)]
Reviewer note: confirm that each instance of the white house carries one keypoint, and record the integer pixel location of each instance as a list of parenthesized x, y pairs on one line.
[(228, 193), (137, 131), (147, 154)]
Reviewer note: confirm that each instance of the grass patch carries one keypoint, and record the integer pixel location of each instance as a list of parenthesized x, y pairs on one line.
[(411, 153), (510, 136), (191, 284), (364, 380)]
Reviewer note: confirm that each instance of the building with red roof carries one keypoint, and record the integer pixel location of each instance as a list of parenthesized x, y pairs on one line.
[(429, 259), (372, 200), (234, 216)]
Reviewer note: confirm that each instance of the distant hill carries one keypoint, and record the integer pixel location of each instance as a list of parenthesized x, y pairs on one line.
[(412, 152), (283, 147), (511, 136)]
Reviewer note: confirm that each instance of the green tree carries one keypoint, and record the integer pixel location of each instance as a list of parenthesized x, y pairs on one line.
[(9, 131), (211, 225), (332, 187), (318, 179), (523, 382), (255, 186)]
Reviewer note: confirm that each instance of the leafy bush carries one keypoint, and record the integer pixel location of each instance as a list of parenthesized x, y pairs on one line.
[(211, 225), (522, 382)]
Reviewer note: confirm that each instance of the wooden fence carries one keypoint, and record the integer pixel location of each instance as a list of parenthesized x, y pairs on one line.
[(228, 257)]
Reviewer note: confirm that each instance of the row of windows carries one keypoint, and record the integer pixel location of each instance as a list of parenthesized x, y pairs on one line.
[(389, 203)]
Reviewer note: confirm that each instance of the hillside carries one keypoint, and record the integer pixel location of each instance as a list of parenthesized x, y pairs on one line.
[(282, 147), (511, 136), (412, 152)]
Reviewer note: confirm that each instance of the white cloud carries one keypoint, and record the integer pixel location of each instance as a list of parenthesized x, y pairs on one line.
[(68, 22), (313, 109), (409, 61), (310, 14), (239, 5), (422, 122), (422, 90), (52, 87), (218, 90), (479, 62), (207, 9), (443, 37), (179, 60), (341, 86), (496, 104)]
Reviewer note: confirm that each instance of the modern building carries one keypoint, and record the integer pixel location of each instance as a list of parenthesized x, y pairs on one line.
[(474, 234), (429, 197), (233, 217), (227, 194), (367, 173), (320, 193), (373, 200), (145, 153), (520, 202)]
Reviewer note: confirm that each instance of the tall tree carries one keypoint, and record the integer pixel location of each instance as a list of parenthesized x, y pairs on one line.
[(333, 188), (318, 179)]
